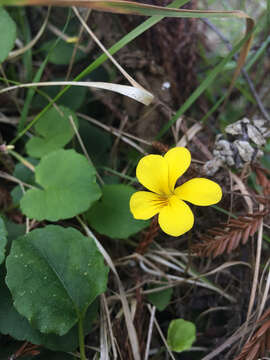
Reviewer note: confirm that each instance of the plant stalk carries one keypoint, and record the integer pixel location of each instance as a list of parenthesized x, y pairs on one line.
[(81, 338)]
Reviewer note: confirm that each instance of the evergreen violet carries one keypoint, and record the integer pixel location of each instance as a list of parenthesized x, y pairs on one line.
[(159, 175)]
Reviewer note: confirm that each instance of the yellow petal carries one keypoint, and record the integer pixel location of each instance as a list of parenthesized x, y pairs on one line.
[(176, 218), (152, 172), (144, 204), (178, 160), (200, 191)]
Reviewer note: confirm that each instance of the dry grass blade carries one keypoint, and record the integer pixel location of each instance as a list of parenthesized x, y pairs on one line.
[(130, 7), (259, 344), (132, 335), (15, 53), (135, 93), (227, 237)]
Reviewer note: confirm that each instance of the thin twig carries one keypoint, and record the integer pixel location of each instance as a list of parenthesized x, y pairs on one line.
[(244, 72)]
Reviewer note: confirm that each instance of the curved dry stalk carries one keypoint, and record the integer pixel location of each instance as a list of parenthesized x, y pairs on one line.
[(93, 36), (139, 94), (243, 191), (196, 279), (32, 43)]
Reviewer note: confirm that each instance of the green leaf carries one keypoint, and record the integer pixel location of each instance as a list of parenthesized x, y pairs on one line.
[(69, 187), (14, 230), (7, 34), (181, 335), (54, 130), (160, 299), (54, 274), (111, 215), (24, 174), (3, 240), (17, 326), (94, 139), (62, 52)]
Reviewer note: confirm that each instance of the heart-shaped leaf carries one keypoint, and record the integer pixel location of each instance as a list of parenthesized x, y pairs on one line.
[(54, 274), (111, 215), (54, 130), (7, 34), (17, 326), (68, 187), (3, 239)]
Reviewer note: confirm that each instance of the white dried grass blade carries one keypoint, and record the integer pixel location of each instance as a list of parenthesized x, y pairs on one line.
[(265, 295), (141, 95), (189, 134), (150, 331), (162, 336), (243, 190), (257, 268), (110, 329), (119, 67), (121, 135), (133, 339), (104, 344), (166, 263)]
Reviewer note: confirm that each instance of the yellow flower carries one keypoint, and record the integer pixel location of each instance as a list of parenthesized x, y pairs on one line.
[(159, 175)]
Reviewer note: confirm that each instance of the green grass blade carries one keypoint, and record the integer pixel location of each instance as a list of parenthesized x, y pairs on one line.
[(204, 85), (101, 59), (37, 77), (258, 53)]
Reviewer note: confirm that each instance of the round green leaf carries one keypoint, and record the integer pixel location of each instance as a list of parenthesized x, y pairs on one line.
[(3, 239), (111, 215), (68, 187), (54, 274), (7, 34), (54, 130), (181, 335)]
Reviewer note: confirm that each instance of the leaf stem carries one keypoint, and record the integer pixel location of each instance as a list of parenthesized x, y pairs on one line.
[(81, 338), (21, 159)]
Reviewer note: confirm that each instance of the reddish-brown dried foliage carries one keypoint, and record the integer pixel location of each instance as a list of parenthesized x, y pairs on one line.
[(148, 236), (263, 180), (227, 237), (162, 148), (259, 344), (26, 349)]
